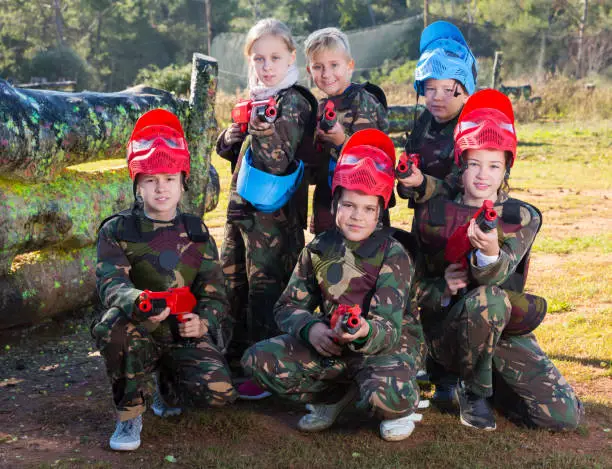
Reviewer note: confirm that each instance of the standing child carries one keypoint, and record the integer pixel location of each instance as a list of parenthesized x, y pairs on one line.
[(476, 316), (264, 231), (359, 265), (357, 106), (154, 246), (445, 75)]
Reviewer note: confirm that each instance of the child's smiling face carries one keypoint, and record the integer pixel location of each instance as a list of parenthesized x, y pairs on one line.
[(331, 70)]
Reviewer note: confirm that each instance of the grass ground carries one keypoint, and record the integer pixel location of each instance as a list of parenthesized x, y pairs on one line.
[(55, 407)]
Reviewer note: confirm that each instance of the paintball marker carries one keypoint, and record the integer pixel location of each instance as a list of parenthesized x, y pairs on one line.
[(327, 120), (459, 245), (406, 162), (349, 317), (329, 117), (179, 300), (265, 111)]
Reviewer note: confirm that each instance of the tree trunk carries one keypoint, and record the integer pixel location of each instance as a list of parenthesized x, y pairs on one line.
[(59, 22), (425, 13), (583, 20), (208, 14)]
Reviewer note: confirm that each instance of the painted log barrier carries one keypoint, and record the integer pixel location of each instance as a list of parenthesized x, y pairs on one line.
[(50, 211)]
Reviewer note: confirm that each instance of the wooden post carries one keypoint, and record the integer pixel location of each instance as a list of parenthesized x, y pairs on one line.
[(425, 13)]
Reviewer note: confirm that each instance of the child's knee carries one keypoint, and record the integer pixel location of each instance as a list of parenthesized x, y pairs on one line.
[(488, 302), (391, 399), (565, 415)]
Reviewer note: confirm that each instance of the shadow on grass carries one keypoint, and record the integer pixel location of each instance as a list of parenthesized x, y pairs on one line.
[(594, 362), (533, 144)]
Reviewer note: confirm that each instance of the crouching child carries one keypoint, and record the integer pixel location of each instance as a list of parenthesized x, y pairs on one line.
[(358, 266), (156, 247)]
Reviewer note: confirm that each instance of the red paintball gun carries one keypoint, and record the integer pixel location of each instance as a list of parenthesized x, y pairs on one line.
[(329, 117), (265, 111), (349, 317), (327, 120), (459, 245), (406, 162), (179, 300)]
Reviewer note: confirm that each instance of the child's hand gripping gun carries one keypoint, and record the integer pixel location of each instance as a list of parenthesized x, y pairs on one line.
[(459, 245), (349, 317), (265, 111), (179, 300), (405, 165)]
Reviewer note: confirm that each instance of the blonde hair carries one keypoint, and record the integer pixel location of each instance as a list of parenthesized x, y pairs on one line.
[(327, 38), (272, 27)]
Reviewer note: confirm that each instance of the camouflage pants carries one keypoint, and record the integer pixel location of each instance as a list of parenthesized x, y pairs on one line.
[(469, 343), (292, 368), (194, 375), (258, 256)]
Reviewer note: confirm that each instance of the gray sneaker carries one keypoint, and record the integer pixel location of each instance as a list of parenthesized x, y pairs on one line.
[(161, 408), (127, 435)]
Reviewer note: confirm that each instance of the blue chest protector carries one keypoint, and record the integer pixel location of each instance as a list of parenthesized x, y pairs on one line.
[(266, 192)]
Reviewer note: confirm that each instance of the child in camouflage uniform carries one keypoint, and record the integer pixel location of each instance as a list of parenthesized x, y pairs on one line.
[(476, 317), (265, 216), (445, 75), (359, 264), (155, 247), (358, 106)]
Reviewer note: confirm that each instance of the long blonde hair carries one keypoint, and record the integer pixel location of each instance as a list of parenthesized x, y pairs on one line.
[(265, 27)]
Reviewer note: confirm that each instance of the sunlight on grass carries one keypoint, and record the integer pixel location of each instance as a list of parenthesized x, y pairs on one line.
[(600, 243)]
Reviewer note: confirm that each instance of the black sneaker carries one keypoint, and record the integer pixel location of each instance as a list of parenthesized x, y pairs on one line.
[(445, 398), (474, 410)]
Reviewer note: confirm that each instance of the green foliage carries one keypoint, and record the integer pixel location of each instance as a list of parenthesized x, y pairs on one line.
[(391, 72), (62, 63), (171, 78)]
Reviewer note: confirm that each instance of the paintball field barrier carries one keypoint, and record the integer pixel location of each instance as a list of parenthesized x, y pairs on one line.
[(53, 194)]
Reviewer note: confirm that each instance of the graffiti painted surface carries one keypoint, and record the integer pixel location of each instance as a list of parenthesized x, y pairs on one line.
[(50, 211)]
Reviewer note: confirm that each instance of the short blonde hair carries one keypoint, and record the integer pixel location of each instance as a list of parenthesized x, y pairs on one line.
[(272, 27), (327, 38)]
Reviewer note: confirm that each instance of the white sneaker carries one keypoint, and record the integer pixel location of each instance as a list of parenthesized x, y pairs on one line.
[(127, 435), (323, 416), (160, 407), (399, 429)]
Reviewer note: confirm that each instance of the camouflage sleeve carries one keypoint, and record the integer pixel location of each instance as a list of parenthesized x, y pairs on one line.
[(390, 300), (226, 152), (429, 292), (294, 309), (366, 113), (113, 282), (274, 153), (513, 247), (209, 289)]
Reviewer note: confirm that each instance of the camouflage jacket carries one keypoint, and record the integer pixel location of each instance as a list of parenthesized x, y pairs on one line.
[(516, 234), (435, 145), (357, 109), (137, 253), (375, 274)]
